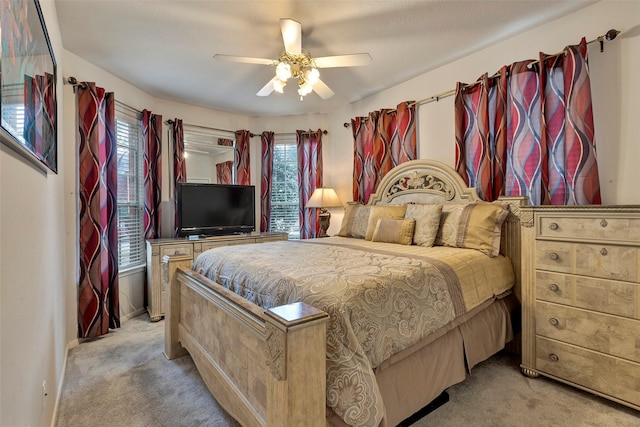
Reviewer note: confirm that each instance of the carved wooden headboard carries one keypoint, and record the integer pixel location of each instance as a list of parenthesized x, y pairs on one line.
[(430, 181)]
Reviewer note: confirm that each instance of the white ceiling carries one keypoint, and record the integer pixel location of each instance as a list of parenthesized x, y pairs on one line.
[(166, 47)]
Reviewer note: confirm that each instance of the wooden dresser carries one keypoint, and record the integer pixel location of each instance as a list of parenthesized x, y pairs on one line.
[(581, 298), (159, 248)]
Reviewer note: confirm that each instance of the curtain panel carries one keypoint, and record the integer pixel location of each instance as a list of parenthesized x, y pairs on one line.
[(179, 167), (243, 170), (382, 140), (529, 131), (98, 299), (268, 140), (152, 158), (224, 170), (309, 178)]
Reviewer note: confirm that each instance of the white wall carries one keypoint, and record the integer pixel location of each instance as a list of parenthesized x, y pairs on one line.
[(615, 87), (33, 332)]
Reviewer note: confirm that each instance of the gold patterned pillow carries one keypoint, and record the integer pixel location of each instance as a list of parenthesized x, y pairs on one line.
[(355, 221), (394, 231), (472, 225), (377, 212), (427, 223)]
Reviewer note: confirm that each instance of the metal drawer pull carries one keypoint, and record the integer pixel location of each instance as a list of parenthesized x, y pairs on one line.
[(553, 321), (603, 252), (554, 357), (604, 223), (553, 226), (553, 287), (553, 256)]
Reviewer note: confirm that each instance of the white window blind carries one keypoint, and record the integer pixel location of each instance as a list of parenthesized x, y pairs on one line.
[(131, 249), (285, 198)]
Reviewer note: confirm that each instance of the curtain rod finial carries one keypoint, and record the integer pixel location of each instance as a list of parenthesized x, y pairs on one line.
[(611, 34)]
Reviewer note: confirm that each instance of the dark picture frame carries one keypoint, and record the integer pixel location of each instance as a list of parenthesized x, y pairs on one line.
[(28, 73)]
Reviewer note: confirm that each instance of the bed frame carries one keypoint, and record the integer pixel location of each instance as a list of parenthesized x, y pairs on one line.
[(267, 367)]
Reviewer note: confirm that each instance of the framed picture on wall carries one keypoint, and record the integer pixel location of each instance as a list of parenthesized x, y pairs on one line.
[(28, 116)]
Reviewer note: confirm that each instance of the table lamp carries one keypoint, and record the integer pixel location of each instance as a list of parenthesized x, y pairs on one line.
[(324, 198)]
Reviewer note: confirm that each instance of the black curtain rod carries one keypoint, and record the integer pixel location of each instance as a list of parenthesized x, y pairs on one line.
[(608, 36), (170, 122), (324, 132), (75, 83)]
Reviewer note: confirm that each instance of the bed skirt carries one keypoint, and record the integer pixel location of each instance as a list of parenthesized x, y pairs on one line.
[(442, 360)]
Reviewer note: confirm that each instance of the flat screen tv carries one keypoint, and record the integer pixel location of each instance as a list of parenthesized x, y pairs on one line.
[(215, 209)]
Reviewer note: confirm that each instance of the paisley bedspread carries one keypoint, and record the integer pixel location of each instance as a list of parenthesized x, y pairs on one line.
[(381, 298)]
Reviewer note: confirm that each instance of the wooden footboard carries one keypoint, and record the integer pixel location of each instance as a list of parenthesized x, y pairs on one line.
[(264, 367)]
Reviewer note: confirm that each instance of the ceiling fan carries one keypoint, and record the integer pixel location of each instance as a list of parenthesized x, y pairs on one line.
[(297, 63)]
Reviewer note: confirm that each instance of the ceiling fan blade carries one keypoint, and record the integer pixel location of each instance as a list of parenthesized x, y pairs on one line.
[(323, 90), (267, 89), (244, 59), (354, 60), (291, 35)]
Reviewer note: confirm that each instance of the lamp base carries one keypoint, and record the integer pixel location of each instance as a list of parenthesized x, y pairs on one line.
[(325, 217)]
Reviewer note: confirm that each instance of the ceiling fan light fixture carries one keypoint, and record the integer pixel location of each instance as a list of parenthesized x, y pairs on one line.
[(278, 85), (312, 76), (283, 71)]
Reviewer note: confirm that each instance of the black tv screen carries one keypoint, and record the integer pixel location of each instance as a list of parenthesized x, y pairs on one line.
[(215, 209)]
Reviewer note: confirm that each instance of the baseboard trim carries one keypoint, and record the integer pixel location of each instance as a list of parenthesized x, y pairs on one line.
[(70, 345), (133, 314)]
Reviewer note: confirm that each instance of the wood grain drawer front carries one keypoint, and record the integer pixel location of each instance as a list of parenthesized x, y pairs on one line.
[(590, 228), (186, 249), (604, 261), (609, 375), (608, 334), (606, 296), (222, 243)]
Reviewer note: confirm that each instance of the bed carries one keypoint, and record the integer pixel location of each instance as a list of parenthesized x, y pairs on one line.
[(360, 329)]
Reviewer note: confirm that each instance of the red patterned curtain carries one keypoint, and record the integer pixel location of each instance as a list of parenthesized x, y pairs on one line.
[(152, 156), (243, 171), (98, 303), (309, 178), (179, 167), (224, 170), (39, 117), (529, 131), (268, 141), (382, 140)]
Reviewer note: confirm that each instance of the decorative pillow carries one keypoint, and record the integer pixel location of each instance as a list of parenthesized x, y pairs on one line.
[(394, 231), (377, 212), (472, 225), (427, 223), (355, 221)]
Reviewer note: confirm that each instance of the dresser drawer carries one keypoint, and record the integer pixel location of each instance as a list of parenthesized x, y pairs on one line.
[(590, 228), (601, 332), (186, 249), (604, 261), (209, 245), (606, 296), (606, 374)]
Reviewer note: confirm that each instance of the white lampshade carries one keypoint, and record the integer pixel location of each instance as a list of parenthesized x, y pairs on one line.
[(278, 85), (324, 198), (283, 71)]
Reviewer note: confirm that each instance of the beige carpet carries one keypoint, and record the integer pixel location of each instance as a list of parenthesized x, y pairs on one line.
[(123, 379)]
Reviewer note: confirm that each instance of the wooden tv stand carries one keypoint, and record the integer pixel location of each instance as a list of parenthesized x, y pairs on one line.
[(158, 248)]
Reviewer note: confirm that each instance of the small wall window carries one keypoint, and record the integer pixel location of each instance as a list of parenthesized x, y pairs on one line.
[(285, 195), (130, 203)]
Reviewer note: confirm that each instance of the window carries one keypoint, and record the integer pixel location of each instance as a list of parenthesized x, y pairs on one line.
[(284, 190), (131, 252)]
